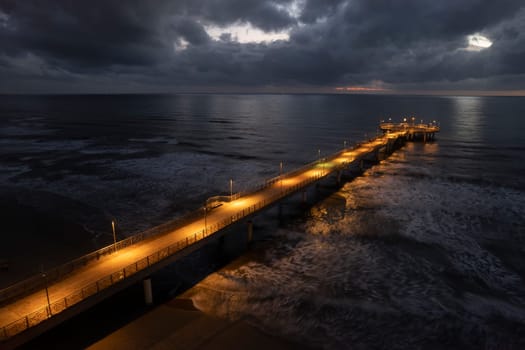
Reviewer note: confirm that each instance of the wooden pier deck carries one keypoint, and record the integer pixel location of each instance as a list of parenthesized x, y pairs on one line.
[(32, 306)]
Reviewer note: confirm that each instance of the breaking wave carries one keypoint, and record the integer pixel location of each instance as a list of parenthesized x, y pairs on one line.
[(405, 261)]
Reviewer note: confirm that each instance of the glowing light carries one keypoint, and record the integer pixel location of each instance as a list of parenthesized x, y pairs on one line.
[(239, 202), (290, 181), (478, 42), (357, 89), (245, 33)]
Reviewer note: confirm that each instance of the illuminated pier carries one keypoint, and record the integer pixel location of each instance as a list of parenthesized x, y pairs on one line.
[(412, 130), (37, 304)]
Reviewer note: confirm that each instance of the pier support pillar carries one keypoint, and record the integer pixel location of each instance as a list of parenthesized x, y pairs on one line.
[(361, 165), (148, 293), (339, 175), (250, 231), (304, 196)]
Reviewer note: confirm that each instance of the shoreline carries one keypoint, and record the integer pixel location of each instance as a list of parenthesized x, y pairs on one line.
[(178, 323)]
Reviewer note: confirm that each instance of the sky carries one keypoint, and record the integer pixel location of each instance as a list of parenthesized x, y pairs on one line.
[(276, 46)]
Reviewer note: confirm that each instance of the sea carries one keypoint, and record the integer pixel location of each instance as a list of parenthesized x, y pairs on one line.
[(424, 250)]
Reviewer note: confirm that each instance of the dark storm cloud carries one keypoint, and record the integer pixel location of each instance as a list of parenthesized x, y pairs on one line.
[(317, 9), (164, 45), (71, 32), (190, 30), (267, 15)]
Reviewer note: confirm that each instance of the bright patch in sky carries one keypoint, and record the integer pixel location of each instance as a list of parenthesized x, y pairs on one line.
[(4, 18), (477, 42), (245, 33), (180, 45), (294, 9)]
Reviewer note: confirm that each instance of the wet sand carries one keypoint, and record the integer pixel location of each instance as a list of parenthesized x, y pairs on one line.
[(177, 324)]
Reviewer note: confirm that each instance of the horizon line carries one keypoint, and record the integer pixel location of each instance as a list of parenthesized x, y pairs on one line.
[(290, 91)]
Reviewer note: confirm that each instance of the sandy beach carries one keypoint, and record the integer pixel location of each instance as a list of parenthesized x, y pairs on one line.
[(177, 324)]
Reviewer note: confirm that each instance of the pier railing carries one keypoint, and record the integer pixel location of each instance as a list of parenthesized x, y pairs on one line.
[(38, 281), (58, 306)]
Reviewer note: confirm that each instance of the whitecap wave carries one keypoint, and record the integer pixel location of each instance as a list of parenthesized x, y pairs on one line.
[(404, 264)]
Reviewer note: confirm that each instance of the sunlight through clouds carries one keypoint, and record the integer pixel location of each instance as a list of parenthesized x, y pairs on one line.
[(245, 33), (478, 42), (281, 45)]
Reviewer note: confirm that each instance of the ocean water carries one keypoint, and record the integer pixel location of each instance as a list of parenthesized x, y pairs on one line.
[(425, 250)]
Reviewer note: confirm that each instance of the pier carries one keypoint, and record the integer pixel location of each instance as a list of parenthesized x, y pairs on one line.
[(37, 304), (412, 130)]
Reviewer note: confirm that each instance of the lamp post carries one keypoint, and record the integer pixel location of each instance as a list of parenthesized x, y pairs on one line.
[(281, 175), (231, 189), (44, 276), (319, 158), (344, 145), (205, 215), (114, 235)]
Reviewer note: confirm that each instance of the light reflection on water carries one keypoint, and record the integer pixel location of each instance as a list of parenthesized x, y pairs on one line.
[(468, 121), (437, 227)]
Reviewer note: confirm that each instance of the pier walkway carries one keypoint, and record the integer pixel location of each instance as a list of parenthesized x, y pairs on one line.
[(411, 129), (39, 303)]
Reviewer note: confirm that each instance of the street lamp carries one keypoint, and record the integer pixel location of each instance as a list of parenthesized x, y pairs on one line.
[(44, 276), (344, 145), (319, 158), (281, 175), (114, 235), (205, 214), (231, 189)]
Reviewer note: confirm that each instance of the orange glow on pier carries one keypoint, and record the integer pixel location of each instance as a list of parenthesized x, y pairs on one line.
[(103, 269)]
